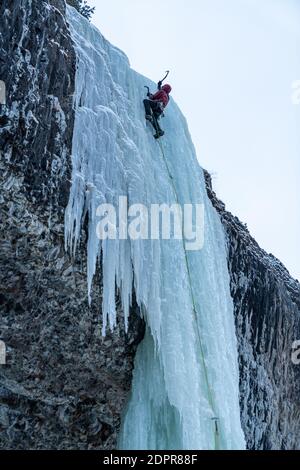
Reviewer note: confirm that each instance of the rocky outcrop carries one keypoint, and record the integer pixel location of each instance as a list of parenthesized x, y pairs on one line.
[(267, 312), (63, 386)]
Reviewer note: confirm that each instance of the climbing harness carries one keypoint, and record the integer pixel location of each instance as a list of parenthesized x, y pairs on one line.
[(209, 390)]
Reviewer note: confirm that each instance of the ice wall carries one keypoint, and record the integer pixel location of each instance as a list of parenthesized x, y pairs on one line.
[(186, 370)]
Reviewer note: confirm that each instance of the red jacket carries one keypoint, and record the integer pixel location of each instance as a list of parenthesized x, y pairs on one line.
[(161, 96)]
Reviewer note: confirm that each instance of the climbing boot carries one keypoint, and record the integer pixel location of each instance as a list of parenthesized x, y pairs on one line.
[(159, 134)]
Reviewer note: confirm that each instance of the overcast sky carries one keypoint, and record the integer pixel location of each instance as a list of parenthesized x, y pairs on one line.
[(233, 63)]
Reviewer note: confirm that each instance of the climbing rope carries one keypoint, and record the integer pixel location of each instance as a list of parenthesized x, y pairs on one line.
[(209, 390)]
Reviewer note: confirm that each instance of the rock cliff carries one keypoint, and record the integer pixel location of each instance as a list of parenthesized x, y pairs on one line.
[(64, 386)]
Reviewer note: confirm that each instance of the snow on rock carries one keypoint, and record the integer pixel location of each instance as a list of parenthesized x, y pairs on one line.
[(267, 311), (62, 388), (186, 369)]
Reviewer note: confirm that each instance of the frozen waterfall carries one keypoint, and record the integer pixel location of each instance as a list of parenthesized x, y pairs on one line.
[(186, 370)]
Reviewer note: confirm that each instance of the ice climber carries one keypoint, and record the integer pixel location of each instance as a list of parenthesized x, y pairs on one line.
[(155, 106)]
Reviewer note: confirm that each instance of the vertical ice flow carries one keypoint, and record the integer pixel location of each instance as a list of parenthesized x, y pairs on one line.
[(175, 392)]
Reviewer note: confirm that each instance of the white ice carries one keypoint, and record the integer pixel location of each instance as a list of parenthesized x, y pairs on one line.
[(114, 154)]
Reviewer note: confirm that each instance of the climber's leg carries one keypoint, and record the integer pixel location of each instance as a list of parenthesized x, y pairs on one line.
[(148, 109), (153, 112), (156, 125)]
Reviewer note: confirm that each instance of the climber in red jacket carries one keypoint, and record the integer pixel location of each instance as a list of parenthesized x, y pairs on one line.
[(156, 104)]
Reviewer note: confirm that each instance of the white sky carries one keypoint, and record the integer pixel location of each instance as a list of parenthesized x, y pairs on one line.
[(232, 66)]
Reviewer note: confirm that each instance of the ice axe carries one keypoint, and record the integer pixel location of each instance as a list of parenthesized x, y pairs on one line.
[(148, 90), (216, 421), (167, 73), (161, 81)]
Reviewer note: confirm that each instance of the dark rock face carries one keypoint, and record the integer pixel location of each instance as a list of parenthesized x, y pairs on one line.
[(37, 64), (63, 385), (267, 313)]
